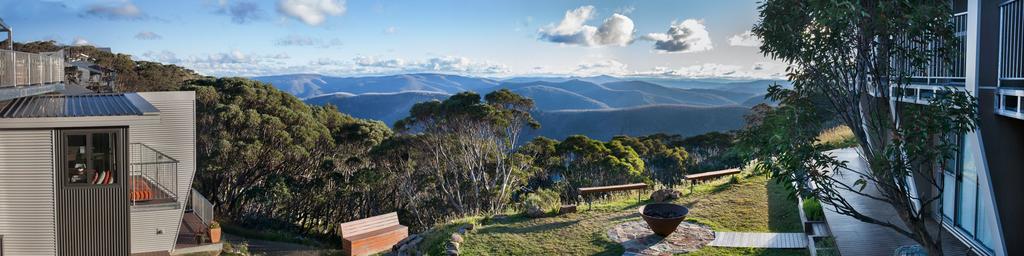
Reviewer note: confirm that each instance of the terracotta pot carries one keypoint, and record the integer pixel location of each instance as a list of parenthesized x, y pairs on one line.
[(215, 235), (663, 218)]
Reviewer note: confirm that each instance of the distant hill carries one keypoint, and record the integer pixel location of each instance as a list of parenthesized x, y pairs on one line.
[(310, 85), (670, 119), (553, 98), (601, 79), (387, 107), (599, 107), (627, 94)]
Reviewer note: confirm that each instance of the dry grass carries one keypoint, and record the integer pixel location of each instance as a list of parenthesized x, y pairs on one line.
[(837, 137)]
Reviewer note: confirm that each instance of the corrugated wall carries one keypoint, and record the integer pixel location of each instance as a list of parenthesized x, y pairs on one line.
[(175, 136), (91, 218), (27, 192)]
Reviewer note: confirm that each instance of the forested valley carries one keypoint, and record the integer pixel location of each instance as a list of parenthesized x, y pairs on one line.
[(268, 160)]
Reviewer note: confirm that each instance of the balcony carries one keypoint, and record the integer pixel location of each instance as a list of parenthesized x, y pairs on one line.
[(938, 74), (936, 70), (1011, 59), (154, 176), (25, 74)]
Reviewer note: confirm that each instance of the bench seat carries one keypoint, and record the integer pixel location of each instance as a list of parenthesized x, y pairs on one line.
[(371, 235), (372, 242)]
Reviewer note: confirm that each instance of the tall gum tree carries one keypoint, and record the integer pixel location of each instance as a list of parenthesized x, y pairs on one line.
[(843, 58)]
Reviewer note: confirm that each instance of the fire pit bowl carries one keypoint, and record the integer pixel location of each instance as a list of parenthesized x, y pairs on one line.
[(663, 218)]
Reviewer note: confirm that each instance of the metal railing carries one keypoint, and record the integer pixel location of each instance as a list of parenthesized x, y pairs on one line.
[(920, 94), (201, 207), (936, 69), (1011, 43), (23, 68), (154, 176)]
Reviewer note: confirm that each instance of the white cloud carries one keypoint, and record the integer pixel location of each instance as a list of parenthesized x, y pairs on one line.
[(625, 9), (603, 66), (311, 12), (688, 36), (390, 30), (233, 63), (114, 10), (148, 35), (80, 41), (241, 12), (758, 70), (300, 40), (375, 65), (381, 63), (747, 39), (616, 30)]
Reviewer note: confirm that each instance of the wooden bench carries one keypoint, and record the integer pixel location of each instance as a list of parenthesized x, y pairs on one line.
[(705, 176), (371, 235), (625, 187)]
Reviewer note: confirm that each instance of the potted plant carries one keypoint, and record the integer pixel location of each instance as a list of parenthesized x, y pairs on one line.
[(214, 232)]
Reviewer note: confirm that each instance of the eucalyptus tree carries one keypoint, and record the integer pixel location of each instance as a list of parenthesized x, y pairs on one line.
[(470, 146), (844, 52)]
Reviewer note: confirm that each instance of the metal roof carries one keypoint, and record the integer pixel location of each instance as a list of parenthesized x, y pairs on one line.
[(108, 104)]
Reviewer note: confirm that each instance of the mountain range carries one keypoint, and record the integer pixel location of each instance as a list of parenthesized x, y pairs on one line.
[(598, 106)]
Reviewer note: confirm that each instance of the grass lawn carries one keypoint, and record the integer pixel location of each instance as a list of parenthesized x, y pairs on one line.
[(752, 204)]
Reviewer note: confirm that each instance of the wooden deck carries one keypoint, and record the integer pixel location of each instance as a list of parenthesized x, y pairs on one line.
[(760, 240), (186, 237), (854, 237)]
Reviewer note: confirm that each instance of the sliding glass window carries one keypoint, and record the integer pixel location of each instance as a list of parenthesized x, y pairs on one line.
[(961, 205)]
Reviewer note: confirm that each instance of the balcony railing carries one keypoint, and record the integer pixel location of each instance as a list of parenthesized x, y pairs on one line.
[(154, 176), (936, 69), (201, 207), (1010, 93), (1011, 43), (23, 68), (920, 94)]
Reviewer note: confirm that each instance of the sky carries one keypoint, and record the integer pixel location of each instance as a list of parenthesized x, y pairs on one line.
[(664, 38)]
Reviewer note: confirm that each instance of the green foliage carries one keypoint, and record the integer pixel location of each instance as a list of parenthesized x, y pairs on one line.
[(813, 210), (132, 76), (545, 200), (265, 155), (840, 52)]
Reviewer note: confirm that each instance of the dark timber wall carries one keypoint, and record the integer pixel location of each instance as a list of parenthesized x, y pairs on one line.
[(93, 220)]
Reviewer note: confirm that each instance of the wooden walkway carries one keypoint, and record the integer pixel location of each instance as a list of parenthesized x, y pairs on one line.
[(760, 240), (854, 237)]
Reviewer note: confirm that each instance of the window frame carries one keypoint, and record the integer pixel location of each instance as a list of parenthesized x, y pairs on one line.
[(119, 155)]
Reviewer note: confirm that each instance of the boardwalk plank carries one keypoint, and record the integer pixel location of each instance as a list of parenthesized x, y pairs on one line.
[(760, 240)]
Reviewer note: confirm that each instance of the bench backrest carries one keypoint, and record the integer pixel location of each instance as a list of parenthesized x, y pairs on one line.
[(370, 224), (714, 174), (633, 186)]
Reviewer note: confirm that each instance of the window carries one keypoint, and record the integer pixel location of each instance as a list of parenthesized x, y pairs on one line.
[(968, 201), (91, 156), (961, 205)]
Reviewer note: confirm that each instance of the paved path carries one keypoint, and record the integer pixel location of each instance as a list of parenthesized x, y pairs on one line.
[(855, 238), (760, 240)]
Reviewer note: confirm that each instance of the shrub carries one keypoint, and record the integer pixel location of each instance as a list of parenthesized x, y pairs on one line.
[(735, 179), (541, 202), (837, 137), (812, 208)]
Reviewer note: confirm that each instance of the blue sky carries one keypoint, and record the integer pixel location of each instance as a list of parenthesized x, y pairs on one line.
[(350, 38)]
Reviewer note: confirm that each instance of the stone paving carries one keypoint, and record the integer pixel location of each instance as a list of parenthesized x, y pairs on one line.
[(638, 239)]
